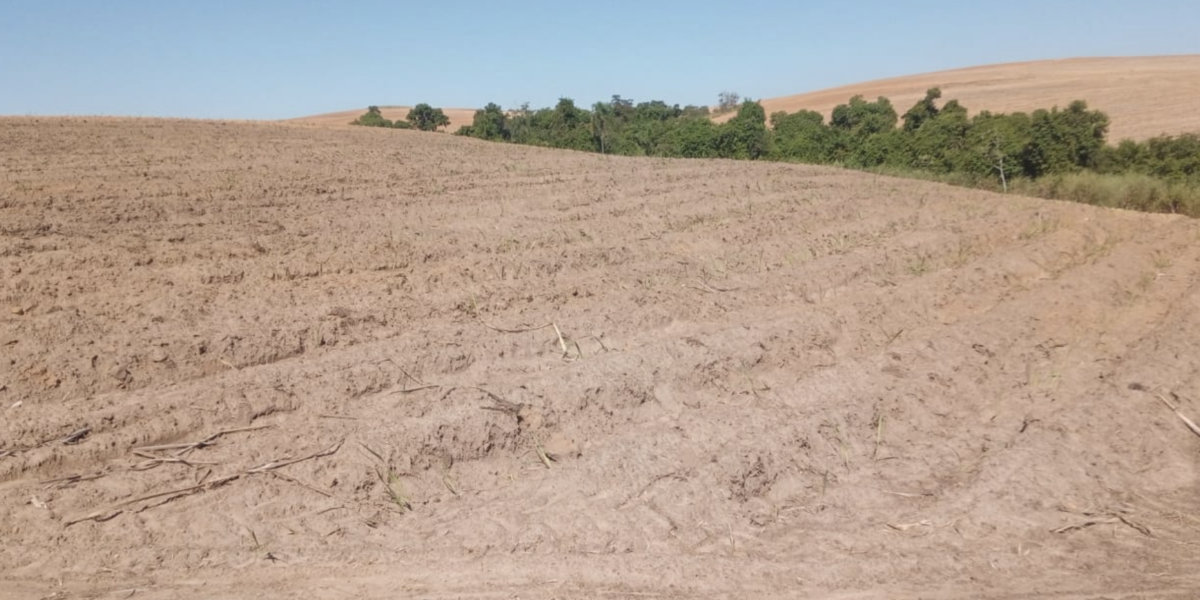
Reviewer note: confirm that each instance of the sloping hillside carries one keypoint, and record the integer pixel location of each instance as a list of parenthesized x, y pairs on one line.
[(1144, 96), (279, 361)]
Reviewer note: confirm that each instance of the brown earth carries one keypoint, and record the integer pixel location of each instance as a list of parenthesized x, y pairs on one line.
[(772, 381), (458, 116), (1144, 96)]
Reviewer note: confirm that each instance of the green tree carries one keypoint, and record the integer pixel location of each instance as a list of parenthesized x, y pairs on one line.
[(854, 126), (862, 118), (745, 136), (939, 143), (923, 111), (1172, 158), (372, 118), (520, 125), (569, 126), (996, 143), (690, 138), (727, 101), (427, 118), (604, 120), (490, 124), (656, 110), (801, 136), (622, 108), (1065, 140)]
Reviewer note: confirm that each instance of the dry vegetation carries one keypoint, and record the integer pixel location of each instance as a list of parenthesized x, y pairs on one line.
[(278, 361), (1144, 96)]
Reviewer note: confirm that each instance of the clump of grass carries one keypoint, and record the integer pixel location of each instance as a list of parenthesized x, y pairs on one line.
[(919, 266), (959, 178), (1130, 191), (395, 489), (1039, 227), (391, 481)]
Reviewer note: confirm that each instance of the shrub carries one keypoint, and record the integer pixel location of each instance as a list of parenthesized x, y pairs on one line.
[(372, 118)]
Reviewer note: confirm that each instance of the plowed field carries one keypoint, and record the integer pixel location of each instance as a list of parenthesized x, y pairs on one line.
[(272, 361)]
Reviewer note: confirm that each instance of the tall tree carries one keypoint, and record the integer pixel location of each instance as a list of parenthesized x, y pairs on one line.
[(427, 118), (372, 118), (746, 135), (1065, 140), (801, 136), (727, 101), (491, 124), (923, 111)]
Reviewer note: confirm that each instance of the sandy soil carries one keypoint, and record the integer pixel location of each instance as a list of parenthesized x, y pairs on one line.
[(275, 361), (458, 116), (1144, 96)]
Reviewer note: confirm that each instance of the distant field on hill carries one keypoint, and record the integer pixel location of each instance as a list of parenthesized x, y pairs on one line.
[(458, 116), (1144, 96)]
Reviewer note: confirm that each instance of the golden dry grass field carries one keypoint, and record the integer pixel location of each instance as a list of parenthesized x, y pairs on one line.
[(1144, 96)]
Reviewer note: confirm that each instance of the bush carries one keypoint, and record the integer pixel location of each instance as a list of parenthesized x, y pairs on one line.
[(691, 138), (801, 136), (745, 136), (490, 124), (372, 118)]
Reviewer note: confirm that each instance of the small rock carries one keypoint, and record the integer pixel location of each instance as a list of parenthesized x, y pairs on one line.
[(560, 447), (158, 355), (403, 465), (119, 373), (17, 310), (530, 419)]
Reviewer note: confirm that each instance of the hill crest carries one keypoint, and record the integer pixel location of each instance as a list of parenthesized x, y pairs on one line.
[(1143, 96)]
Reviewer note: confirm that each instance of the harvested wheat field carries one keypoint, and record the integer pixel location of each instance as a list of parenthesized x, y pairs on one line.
[(272, 361), (1144, 96)]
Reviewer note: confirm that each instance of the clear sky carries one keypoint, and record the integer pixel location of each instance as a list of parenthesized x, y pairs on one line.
[(261, 59)]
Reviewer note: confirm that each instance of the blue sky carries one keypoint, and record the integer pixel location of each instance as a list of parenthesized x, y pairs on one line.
[(275, 59)]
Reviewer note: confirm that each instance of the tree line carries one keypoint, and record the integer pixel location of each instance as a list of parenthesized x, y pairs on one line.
[(1038, 152), (422, 116)]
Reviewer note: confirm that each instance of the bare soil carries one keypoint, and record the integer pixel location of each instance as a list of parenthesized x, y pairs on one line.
[(1144, 96), (275, 361)]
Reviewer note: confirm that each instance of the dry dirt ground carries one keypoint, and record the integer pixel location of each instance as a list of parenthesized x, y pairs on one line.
[(1144, 96), (458, 117), (275, 361)]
